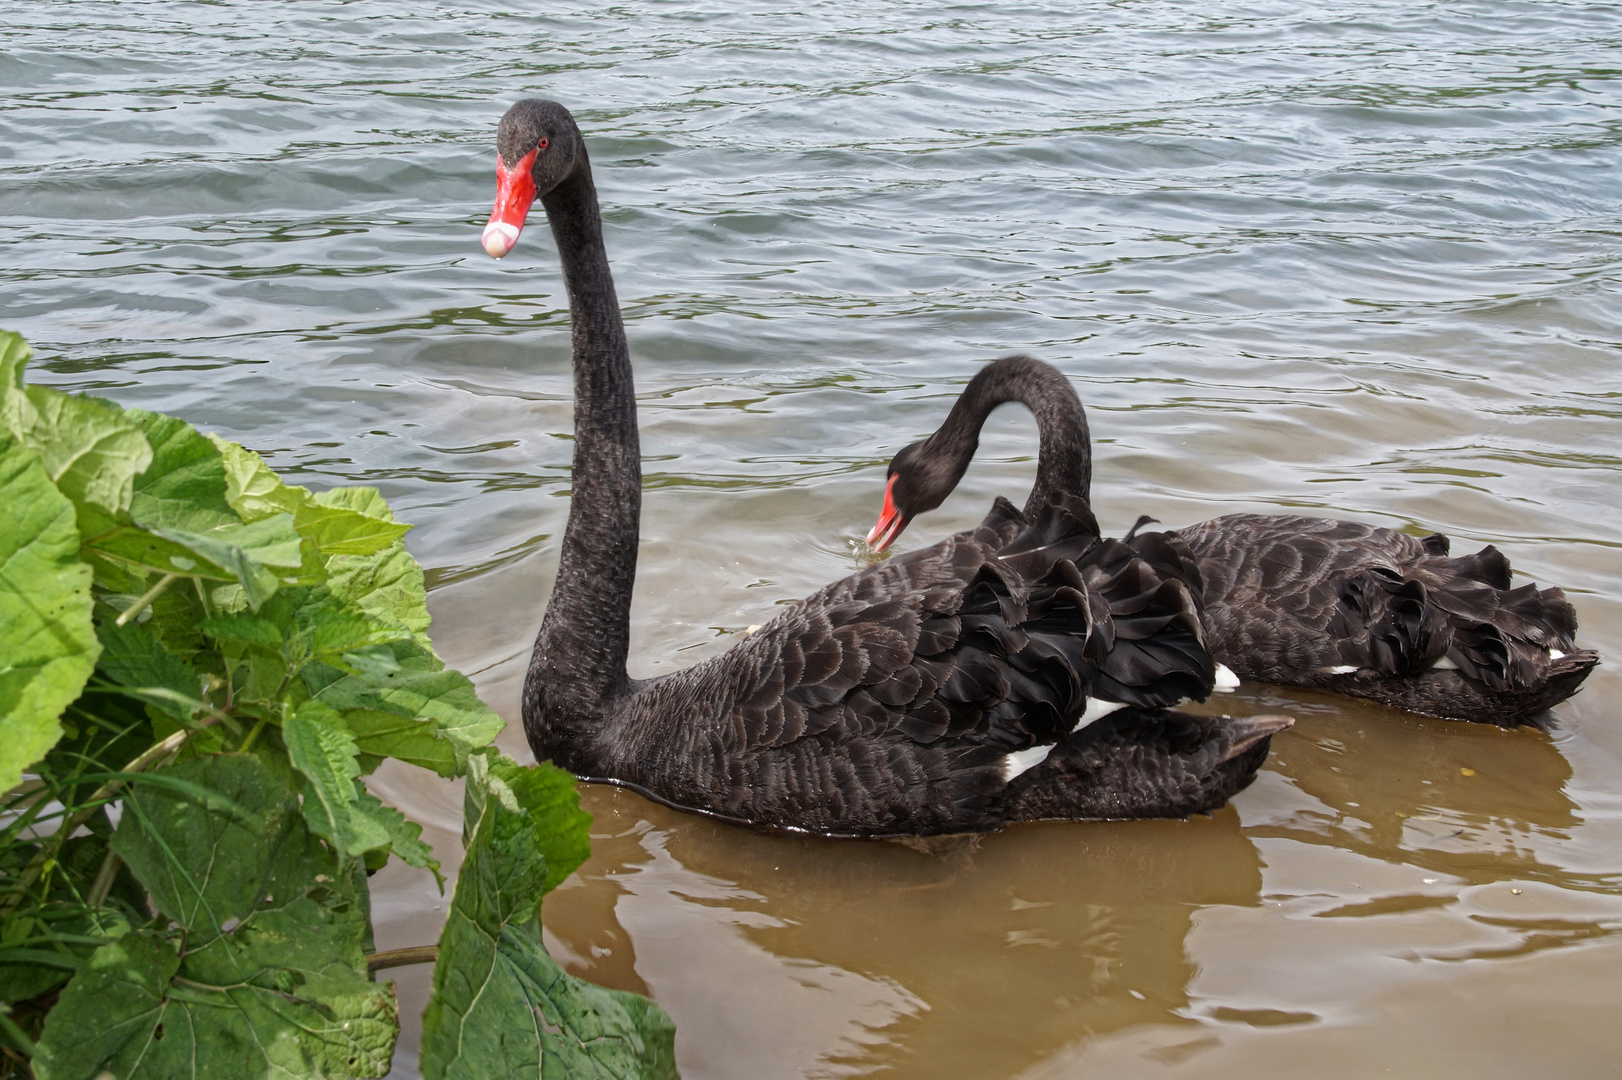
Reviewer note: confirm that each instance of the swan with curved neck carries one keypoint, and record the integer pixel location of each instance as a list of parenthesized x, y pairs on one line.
[(1334, 605), (1018, 671), (923, 474)]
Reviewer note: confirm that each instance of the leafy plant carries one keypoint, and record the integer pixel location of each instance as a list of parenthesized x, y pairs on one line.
[(223, 657)]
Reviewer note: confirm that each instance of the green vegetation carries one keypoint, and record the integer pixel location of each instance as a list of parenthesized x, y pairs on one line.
[(221, 657)]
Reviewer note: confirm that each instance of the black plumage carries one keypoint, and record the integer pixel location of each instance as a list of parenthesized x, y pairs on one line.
[(889, 701), (1335, 605), (1379, 614), (918, 696)]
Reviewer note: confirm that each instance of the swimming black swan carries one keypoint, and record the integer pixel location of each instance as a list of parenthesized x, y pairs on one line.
[(1335, 605), (1014, 672)]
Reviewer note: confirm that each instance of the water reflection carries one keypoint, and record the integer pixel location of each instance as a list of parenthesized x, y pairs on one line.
[(827, 958), (1466, 799)]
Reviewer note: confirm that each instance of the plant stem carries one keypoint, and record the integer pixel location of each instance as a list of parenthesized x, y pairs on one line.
[(104, 881), (417, 954), (253, 736), (146, 598)]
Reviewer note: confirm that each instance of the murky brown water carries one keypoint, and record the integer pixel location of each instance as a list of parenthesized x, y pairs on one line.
[(1355, 259)]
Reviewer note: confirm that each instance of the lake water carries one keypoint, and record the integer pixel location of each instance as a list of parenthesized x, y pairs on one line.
[(1354, 259)]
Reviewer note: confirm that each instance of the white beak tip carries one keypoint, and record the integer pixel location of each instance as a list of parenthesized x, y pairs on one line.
[(499, 238)]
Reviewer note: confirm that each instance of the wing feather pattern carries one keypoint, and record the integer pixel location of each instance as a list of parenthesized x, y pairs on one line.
[(1380, 614), (888, 702)]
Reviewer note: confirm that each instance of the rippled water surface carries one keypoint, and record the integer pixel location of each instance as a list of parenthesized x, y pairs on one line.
[(1361, 259)]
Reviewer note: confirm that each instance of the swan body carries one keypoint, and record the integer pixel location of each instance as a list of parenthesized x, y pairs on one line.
[(1333, 605), (1018, 671), (1012, 672), (1375, 613)]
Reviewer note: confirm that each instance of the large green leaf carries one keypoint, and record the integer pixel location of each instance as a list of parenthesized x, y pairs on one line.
[(89, 448), (362, 500), (209, 857), (14, 354), (501, 1007), (109, 1012), (184, 487), (47, 644), (126, 1014), (256, 556), (119, 540), (264, 973)]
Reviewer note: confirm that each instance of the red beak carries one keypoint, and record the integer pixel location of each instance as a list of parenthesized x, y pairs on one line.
[(515, 192), (890, 521)]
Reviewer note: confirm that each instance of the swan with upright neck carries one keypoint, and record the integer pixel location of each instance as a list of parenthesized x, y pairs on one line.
[(1018, 671), (1334, 605)]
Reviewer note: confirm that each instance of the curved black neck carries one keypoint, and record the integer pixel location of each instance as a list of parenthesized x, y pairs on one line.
[(1064, 463), (579, 659)]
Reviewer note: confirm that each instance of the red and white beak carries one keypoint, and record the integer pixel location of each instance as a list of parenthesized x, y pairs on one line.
[(515, 192), (890, 521)]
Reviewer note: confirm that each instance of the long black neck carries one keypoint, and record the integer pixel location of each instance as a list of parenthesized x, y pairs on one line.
[(1064, 462), (579, 659)]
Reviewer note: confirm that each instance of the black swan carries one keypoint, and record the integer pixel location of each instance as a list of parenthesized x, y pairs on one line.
[(1014, 672), (1301, 601)]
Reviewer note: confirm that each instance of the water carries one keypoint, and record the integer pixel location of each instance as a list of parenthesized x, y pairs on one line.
[(1359, 259)]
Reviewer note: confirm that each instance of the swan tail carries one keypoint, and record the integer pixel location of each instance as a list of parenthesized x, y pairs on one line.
[(1145, 763), (1452, 695), (1469, 646)]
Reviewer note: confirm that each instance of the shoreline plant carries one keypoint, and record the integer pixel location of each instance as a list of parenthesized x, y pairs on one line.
[(198, 665)]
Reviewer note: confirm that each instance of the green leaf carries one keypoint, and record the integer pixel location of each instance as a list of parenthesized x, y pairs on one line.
[(209, 860), (255, 556), (406, 739), (89, 448), (388, 586), (14, 354), (133, 657), (47, 643), (405, 837), (184, 487), (108, 1013), (549, 796), (323, 750), (124, 543), (403, 712), (271, 541), (127, 1015), (265, 975), (501, 1007), (252, 489), (247, 629), (335, 626), (362, 500), (246, 552), (336, 530)]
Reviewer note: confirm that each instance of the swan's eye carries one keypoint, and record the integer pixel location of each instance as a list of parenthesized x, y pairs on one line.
[(542, 144)]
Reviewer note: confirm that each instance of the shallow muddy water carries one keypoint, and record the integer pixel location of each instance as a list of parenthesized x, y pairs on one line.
[(1358, 260)]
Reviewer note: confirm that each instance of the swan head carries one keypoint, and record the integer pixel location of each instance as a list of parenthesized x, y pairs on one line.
[(536, 148), (920, 479)]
